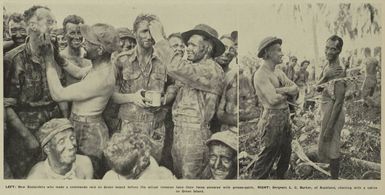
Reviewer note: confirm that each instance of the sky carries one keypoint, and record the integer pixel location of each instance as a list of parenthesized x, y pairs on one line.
[(262, 20), (176, 16), (254, 21)]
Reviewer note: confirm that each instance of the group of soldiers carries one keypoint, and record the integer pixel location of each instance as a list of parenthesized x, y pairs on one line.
[(278, 89), (99, 102), (95, 101)]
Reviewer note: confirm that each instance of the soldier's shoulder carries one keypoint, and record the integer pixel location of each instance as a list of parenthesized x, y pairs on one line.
[(37, 171), (15, 52), (215, 65), (259, 74)]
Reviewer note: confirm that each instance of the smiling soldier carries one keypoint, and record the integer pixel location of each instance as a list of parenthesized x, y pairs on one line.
[(58, 142), (222, 162), (199, 82), (74, 52), (89, 97)]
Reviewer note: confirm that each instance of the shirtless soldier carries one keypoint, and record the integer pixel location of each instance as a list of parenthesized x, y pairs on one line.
[(90, 95), (272, 88)]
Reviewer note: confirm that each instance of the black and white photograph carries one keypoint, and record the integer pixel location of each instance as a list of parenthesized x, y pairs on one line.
[(119, 91), (310, 91), (193, 96)]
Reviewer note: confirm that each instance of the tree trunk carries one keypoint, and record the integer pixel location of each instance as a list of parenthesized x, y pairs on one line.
[(367, 164), (315, 44)]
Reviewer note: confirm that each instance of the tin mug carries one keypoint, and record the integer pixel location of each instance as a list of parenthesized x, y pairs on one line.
[(154, 98)]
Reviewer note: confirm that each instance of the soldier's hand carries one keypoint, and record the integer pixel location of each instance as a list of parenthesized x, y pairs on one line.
[(56, 53), (156, 30), (46, 48), (45, 39), (319, 88), (139, 99), (280, 91), (9, 102), (334, 72)]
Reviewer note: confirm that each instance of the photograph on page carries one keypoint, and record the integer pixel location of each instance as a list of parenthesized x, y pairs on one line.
[(135, 92), (310, 91)]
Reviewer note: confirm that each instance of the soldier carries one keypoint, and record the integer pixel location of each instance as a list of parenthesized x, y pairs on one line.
[(25, 81), (273, 87), (129, 158), (74, 52), (176, 43), (89, 97), (141, 70), (58, 142), (222, 163), (127, 39), (227, 111), (110, 114), (17, 29), (301, 80), (332, 112), (57, 35), (289, 70), (200, 84)]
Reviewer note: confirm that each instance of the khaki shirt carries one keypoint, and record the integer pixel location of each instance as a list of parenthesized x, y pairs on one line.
[(132, 77), (25, 80), (199, 85)]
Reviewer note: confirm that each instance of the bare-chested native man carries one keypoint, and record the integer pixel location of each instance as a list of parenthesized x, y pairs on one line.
[(332, 112), (273, 87), (90, 95)]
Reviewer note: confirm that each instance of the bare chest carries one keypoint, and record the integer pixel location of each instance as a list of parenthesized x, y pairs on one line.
[(274, 80)]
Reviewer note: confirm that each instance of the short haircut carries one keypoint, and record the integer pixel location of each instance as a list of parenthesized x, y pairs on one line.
[(177, 35), (125, 150), (16, 17), (339, 40), (143, 17), (29, 13), (74, 19)]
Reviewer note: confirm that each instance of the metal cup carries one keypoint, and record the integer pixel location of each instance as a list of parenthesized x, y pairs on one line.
[(153, 97)]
